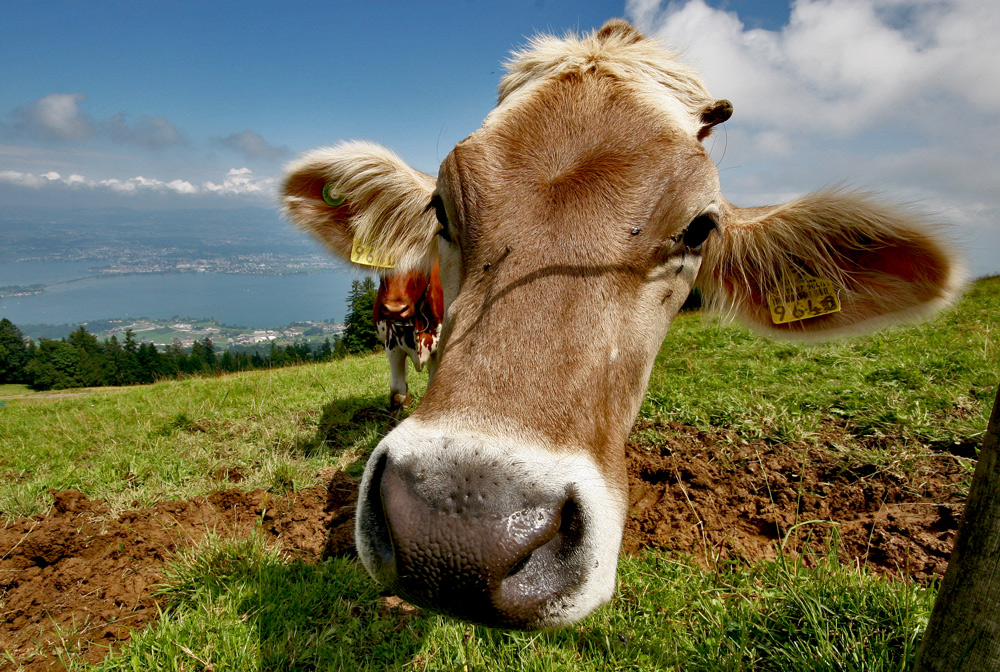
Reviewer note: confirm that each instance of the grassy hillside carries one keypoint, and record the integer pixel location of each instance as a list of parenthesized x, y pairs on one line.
[(138, 445), (931, 383), (240, 604)]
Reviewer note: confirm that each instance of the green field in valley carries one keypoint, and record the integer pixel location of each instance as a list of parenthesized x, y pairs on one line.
[(889, 401)]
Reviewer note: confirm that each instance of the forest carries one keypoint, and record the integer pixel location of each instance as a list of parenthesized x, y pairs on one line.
[(82, 360)]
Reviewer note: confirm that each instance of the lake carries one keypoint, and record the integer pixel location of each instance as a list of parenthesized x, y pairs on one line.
[(75, 294)]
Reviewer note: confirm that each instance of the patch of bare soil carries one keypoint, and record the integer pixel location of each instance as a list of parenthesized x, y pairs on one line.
[(79, 580), (716, 497), (708, 495)]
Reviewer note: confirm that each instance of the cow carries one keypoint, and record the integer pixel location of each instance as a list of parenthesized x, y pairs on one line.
[(409, 308), (570, 227)]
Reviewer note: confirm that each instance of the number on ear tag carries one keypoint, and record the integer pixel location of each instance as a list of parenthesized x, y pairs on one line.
[(367, 255), (808, 297)]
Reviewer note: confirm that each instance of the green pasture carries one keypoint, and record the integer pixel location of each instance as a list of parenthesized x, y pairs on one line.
[(239, 605)]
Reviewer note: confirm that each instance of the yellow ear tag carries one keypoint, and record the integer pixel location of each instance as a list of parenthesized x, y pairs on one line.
[(807, 297), (331, 196), (367, 255)]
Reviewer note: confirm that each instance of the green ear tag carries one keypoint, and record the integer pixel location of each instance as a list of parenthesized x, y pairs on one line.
[(331, 196)]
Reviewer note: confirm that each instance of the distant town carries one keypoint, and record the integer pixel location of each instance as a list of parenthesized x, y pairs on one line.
[(187, 331), (251, 241)]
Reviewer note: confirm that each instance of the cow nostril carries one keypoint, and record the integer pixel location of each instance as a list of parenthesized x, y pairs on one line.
[(519, 565), (557, 543), (376, 523), (571, 521)]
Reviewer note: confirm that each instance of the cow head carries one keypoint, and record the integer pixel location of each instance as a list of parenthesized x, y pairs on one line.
[(570, 228)]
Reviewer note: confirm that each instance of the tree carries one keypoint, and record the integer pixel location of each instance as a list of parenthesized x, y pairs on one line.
[(325, 352), (208, 349), (177, 358), (303, 351), (202, 356), (129, 366), (360, 336), (276, 356), (92, 362), (963, 634), (114, 359), (13, 353), (54, 366), (227, 362), (151, 364), (339, 349)]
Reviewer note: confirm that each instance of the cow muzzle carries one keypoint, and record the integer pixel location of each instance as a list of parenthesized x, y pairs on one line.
[(487, 535)]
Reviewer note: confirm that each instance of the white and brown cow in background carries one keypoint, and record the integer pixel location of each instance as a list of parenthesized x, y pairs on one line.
[(409, 309), (570, 228)]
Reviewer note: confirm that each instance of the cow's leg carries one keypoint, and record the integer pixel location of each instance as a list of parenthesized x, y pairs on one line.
[(399, 394)]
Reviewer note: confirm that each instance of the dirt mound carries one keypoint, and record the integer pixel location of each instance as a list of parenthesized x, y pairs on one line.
[(79, 579), (716, 497), (79, 570)]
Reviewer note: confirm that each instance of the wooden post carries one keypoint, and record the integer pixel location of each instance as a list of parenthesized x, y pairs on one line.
[(963, 634)]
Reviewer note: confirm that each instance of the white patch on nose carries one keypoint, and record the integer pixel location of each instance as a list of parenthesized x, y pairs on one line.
[(514, 466)]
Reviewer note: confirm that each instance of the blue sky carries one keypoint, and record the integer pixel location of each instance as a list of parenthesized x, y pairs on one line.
[(198, 104)]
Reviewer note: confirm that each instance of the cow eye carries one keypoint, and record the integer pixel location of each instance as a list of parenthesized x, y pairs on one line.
[(697, 232), (442, 216)]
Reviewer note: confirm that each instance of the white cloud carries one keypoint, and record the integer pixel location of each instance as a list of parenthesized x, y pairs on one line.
[(241, 181), (237, 182), (22, 179), (899, 96), (182, 187), (58, 116), (839, 66)]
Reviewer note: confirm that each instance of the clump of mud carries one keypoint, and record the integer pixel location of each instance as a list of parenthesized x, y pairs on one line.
[(706, 495), (78, 571), (715, 497)]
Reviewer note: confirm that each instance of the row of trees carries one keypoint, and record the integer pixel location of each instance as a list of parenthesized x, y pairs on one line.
[(82, 360)]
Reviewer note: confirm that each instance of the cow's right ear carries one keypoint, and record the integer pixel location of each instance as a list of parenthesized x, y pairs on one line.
[(359, 197)]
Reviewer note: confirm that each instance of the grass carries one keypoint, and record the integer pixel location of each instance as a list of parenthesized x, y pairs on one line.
[(10, 390), (240, 605), (178, 439), (931, 384), (243, 606)]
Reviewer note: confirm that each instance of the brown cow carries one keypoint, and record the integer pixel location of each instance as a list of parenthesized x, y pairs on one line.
[(570, 228), (409, 308)]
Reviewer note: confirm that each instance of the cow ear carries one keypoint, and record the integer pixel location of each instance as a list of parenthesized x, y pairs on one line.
[(359, 196), (713, 115), (829, 263)]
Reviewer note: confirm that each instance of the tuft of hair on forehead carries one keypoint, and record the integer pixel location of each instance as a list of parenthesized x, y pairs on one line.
[(617, 50)]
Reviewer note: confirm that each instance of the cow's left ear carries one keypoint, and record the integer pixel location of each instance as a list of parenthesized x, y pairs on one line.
[(364, 203), (829, 263)]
